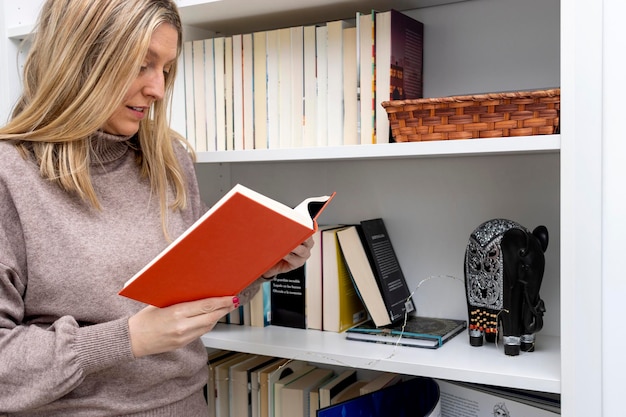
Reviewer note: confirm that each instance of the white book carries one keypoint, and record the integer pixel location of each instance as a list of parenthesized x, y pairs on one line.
[(285, 95), (297, 85), (248, 91), (241, 384), (350, 91), (199, 95), (279, 384), (238, 92), (273, 110), (190, 108), (228, 92), (335, 81), (259, 45), (313, 281), (322, 85), (367, 110), (209, 84), (220, 97), (309, 136)]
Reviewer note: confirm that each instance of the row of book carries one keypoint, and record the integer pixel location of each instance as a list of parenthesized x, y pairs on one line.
[(302, 86), (249, 385), (352, 275)]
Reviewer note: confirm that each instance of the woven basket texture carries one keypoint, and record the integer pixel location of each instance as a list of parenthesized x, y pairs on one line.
[(489, 115)]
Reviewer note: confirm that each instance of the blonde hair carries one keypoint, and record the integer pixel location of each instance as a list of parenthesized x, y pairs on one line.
[(83, 59)]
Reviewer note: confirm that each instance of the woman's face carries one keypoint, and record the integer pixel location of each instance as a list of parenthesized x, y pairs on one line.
[(149, 85)]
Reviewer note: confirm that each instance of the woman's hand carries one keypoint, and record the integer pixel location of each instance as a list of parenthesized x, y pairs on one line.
[(295, 259), (156, 330)]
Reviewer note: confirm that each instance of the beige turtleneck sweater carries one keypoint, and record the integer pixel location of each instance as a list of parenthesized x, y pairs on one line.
[(64, 342)]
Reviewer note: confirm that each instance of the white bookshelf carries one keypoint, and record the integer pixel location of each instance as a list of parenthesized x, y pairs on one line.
[(431, 195), (433, 149)]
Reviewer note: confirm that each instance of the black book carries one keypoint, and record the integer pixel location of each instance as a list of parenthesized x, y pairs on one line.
[(383, 259), (376, 272), (418, 331), (288, 299)]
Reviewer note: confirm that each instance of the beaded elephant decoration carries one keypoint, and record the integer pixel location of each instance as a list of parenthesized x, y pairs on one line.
[(504, 266)]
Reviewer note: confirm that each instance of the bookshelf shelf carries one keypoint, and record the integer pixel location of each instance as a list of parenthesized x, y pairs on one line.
[(456, 360), (243, 16), (433, 149)]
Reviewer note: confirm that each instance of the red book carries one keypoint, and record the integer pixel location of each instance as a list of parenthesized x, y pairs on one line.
[(243, 235)]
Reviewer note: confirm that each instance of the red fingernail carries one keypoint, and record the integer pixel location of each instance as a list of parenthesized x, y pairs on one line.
[(236, 301)]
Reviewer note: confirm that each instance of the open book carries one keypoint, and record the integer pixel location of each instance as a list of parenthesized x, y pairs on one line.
[(243, 235)]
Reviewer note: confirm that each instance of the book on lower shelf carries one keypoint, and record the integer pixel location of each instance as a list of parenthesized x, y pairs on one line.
[(384, 379), (332, 388), (417, 331), (243, 235), (376, 272), (221, 374), (288, 378), (214, 358), (295, 396), (260, 390), (417, 397), (455, 396), (241, 384)]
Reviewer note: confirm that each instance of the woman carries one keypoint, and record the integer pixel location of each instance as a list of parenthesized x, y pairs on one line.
[(93, 185)]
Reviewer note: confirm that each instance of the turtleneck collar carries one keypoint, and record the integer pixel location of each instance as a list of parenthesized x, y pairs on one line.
[(107, 147)]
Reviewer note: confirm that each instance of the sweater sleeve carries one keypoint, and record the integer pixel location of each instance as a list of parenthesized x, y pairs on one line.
[(40, 363)]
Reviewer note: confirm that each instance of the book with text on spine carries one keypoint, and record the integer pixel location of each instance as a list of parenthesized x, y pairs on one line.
[(243, 235), (375, 270)]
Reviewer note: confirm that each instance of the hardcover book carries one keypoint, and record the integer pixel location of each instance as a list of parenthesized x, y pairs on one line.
[(282, 382), (241, 384), (295, 397), (399, 66), (374, 268), (330, 390), (260, 390), (418, 331), (243, 235), (314, 281), (385, 263), (342, 306)]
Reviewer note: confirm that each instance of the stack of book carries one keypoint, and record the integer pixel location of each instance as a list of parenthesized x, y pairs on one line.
[(301, 86)]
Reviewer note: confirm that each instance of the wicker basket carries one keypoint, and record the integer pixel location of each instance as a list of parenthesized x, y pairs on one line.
[(520, 113)]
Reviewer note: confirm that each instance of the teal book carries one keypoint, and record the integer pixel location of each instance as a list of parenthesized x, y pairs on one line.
[(418, 331)]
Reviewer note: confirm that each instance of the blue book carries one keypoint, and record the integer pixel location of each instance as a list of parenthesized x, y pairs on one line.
[(416, 397)]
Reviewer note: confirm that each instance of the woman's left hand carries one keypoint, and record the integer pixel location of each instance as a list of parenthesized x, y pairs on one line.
[(294, 259)]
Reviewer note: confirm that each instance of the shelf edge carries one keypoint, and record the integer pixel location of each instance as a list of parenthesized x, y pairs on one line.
[(433, 149), (456, 360)]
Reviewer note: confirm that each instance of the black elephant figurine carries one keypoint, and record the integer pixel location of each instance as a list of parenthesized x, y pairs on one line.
[(504, 266)]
